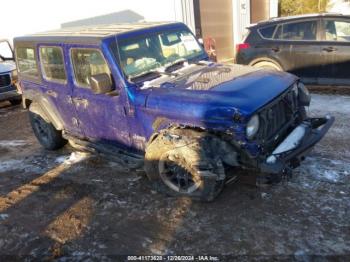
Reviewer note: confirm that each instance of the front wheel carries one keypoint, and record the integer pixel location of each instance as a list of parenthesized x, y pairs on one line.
[(184, 171), (46, 133)]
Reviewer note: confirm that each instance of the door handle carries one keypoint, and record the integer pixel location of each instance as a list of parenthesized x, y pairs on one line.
[(275, 49), (330, 49), (51, 93), (80, 101)]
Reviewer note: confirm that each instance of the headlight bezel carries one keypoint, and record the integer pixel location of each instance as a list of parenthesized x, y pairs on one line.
[(295, 89), (252, 126), (304, 96)]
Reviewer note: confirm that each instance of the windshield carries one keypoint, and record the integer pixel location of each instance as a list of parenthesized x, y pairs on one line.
[(156, 52), (5, 51)]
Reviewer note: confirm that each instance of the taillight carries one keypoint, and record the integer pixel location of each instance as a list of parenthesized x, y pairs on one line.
[(241, 46)]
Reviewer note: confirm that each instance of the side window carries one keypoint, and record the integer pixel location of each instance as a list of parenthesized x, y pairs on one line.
[(52, 64), (297, 31), (26, 61), (267, 32), (337, 30), (86, 63)]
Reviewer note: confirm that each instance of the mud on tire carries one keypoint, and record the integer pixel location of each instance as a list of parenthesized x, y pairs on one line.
[(179, 163), (45, 132)]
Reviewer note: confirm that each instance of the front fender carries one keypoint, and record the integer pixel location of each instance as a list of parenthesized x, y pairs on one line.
[(42, 106)]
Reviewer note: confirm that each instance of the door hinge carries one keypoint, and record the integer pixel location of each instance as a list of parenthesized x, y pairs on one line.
[(75, 121)]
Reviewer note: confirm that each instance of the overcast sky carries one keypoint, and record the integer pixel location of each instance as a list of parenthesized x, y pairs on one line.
[(20, 17)]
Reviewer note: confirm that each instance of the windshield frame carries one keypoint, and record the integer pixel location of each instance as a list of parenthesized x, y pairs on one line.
[(113, 43), (11, 49)]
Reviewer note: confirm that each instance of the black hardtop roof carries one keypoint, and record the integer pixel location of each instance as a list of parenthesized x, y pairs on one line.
[(297, 17), (89, 34)]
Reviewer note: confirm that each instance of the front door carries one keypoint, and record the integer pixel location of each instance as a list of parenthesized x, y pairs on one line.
[(336, 52), (55, 85), (102, 117)]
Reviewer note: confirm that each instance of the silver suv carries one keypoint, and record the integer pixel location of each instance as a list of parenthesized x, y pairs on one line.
[(8, 74)]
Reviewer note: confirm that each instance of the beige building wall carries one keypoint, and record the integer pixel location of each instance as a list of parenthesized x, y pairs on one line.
[(217, 22), (259, 10)]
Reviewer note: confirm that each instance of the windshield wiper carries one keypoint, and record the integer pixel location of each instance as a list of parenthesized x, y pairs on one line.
[(155, 73), (176, 63)]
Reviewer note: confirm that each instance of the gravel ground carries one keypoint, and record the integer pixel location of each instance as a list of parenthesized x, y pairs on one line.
[(70, 205)]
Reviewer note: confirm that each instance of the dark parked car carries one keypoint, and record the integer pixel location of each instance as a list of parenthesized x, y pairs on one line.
[(314, 47), (8, 74), (149, 92)]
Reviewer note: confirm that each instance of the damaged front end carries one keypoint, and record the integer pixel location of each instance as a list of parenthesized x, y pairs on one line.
[(280, 134), (292, 150)]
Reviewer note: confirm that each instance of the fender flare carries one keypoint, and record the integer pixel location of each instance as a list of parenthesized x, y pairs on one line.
[(43, 107), (185, 135)]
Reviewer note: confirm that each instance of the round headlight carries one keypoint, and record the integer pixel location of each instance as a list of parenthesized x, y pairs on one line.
[(252, 126)]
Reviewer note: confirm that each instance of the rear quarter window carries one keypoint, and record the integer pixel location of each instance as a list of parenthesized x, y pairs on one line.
[(297, 31), (26, 61), (52, 64), (267, 32)]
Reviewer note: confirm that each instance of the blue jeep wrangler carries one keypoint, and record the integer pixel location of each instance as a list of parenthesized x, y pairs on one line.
[(148, 91), (8, 74)]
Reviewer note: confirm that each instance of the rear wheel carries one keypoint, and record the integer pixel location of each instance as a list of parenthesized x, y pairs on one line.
[(184, 171), (45, 132), (15, 102), (268, 65)]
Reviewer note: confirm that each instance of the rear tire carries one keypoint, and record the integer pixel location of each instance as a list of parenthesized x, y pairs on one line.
[(268, 65), (46, 133), (180, 171), (15, 102)]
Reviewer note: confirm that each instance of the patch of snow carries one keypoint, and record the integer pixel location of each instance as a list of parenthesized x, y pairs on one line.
[(12, 143), (4, 216), (14, 164), (73, 158), (330, 103), (324, 170), (134, 179), (331, 175), (97, 180), (61, 159)]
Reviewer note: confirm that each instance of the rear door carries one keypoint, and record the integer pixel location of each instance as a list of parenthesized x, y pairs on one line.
[(55, 84), (102, 117), (335, 51), (274, 48), (300, 39)]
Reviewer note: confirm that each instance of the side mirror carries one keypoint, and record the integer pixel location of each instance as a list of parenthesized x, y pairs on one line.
[(101, 83), (6, 52)]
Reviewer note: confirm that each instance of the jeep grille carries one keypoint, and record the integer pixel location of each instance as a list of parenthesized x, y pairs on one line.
[(275, 117), (5, 80)]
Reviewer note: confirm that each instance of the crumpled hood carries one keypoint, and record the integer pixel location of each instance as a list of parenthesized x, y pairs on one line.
[(245, 92), (7, 66)]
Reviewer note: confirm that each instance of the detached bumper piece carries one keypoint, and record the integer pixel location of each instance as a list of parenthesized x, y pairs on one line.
[(292, 150)]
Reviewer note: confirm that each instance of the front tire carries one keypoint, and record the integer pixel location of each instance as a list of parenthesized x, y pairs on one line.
[(188, 171), (46, 133)]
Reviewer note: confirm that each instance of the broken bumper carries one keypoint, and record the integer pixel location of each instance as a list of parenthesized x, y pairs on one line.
[(296, 145)]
